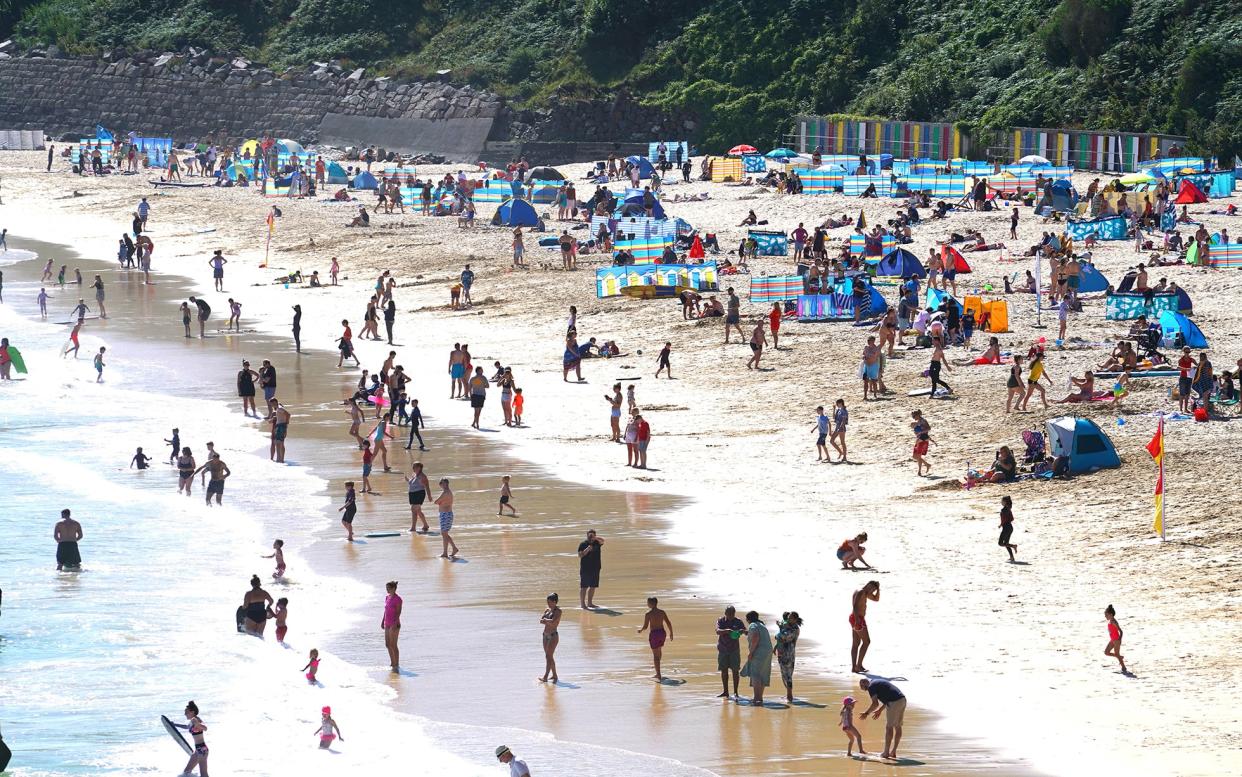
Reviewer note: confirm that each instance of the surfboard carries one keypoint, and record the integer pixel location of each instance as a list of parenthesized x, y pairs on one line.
[(927, 392), (241, 618), (5, 755), (383, 534), (19, 364), (175, 733)]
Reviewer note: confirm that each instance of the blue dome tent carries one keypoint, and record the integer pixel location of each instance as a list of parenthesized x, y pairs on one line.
[(900, 263), (1087, 447), (365, 180), (1175, 326), (645, 170), (516, 213), (1091, 280), (335, 173)]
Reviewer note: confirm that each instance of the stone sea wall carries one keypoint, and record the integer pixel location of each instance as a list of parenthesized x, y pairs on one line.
[(195, 94)]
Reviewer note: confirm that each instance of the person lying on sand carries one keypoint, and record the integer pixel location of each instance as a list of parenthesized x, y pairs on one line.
[(1085, 386)]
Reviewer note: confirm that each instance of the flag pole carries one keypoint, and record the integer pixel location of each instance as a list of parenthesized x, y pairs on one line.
[(1163, 488)]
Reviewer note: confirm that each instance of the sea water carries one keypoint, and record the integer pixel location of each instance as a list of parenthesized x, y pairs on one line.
[(90, 659)]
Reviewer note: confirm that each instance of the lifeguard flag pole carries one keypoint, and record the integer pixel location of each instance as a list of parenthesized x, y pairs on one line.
[(1156, 449)]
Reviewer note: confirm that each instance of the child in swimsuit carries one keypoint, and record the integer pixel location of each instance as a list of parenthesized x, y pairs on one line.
[(312, 667), (1114, 638), (328, 730), (278, 553), (847, 725), (518, 403), (279, 614), (505, 495)]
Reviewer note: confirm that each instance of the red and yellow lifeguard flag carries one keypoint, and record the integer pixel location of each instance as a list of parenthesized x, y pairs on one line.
[(1156, 449)]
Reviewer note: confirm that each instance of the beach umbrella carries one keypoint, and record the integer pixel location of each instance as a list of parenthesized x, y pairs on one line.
[(781, 153), (545, 174), (1136, 178), (1034, 159), (743, 149)]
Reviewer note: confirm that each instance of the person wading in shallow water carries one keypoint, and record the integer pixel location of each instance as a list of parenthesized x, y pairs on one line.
[(391, 624)]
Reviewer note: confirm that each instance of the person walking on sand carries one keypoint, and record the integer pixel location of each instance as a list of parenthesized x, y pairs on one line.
[(550, 620), (506, 495), (419, 485), (1114, 638), (590, 561), (840, 421), (67, 533), (1006, 527), (379, 437), (757, 341), (728, 654), (350, 509), (656, 620), (662, 364), (859, 633), (870, 369), (417, 423), (821, 425), (445, 504), (851, 552), (345, 343), (886, 698), (516, 768), (390, 624), (774, 323), (788, 628), (614, 414), (733, 315)]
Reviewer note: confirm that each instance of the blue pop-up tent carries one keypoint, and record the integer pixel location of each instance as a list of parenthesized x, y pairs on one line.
[(1086, 445), (1174, 326), (900, 263), (516, 213), (365, 180), (335, 173), (645, 169), (1091, 280)]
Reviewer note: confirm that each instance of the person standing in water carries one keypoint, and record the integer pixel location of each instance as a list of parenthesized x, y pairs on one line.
[(67, 533), (391, 624), (73, 345), (445, 503), (589, 564), (350, 509), (99, 364), (550, 620), (99, 296), (656, 620), (196, 728), (279, 418), (254, 607), (297, 328), (419, 485), (245, 387), (204, 311), (218, 471), (217, 262), (728, 654), (860, 635), (327, 730)]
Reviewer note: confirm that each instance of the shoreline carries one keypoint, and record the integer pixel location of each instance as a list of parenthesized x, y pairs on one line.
[(957, 683)]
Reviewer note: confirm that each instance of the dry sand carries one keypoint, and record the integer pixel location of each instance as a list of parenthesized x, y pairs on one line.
[(1009, 654)]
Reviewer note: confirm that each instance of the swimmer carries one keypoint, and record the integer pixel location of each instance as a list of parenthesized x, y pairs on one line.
[(279, 614), (67, 533), (185, 471), (218, 470), (312, 666)]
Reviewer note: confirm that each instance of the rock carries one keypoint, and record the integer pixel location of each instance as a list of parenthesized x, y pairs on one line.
[(164, 59), (356, 76), (8, 47), (240, 63)]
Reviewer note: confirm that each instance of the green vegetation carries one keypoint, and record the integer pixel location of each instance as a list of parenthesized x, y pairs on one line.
[(746, 66)]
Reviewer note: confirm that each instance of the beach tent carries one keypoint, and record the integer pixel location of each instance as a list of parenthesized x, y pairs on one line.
[(1091, 280), (1176, 331), (335, 173), (365, 180), (951, 257), (645, 169), (1189, 194), (633, 206), (901, 264), (1184, 305), (1064, 197), (516, 213), (545, 174), (936, 297), (1086, 445)]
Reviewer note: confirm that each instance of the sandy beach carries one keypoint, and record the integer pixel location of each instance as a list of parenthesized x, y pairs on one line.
[(735, 508)]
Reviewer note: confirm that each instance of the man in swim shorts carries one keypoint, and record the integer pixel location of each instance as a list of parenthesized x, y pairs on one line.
[(859, 635), (279, 418), (457, 371), (218, 470), (656, 619), (67, 533)]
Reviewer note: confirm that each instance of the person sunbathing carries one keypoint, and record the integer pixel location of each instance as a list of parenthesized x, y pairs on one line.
[(1085, 386), (750, 220), (991, 354), (1123, 359)]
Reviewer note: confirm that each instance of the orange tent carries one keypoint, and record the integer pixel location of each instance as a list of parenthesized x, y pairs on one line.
[(1188, 194)]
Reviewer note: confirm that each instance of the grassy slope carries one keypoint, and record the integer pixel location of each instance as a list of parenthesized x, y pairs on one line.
[(749, 65)]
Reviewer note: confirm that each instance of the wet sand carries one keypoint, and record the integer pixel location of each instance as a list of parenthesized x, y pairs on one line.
[(471, 645)]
